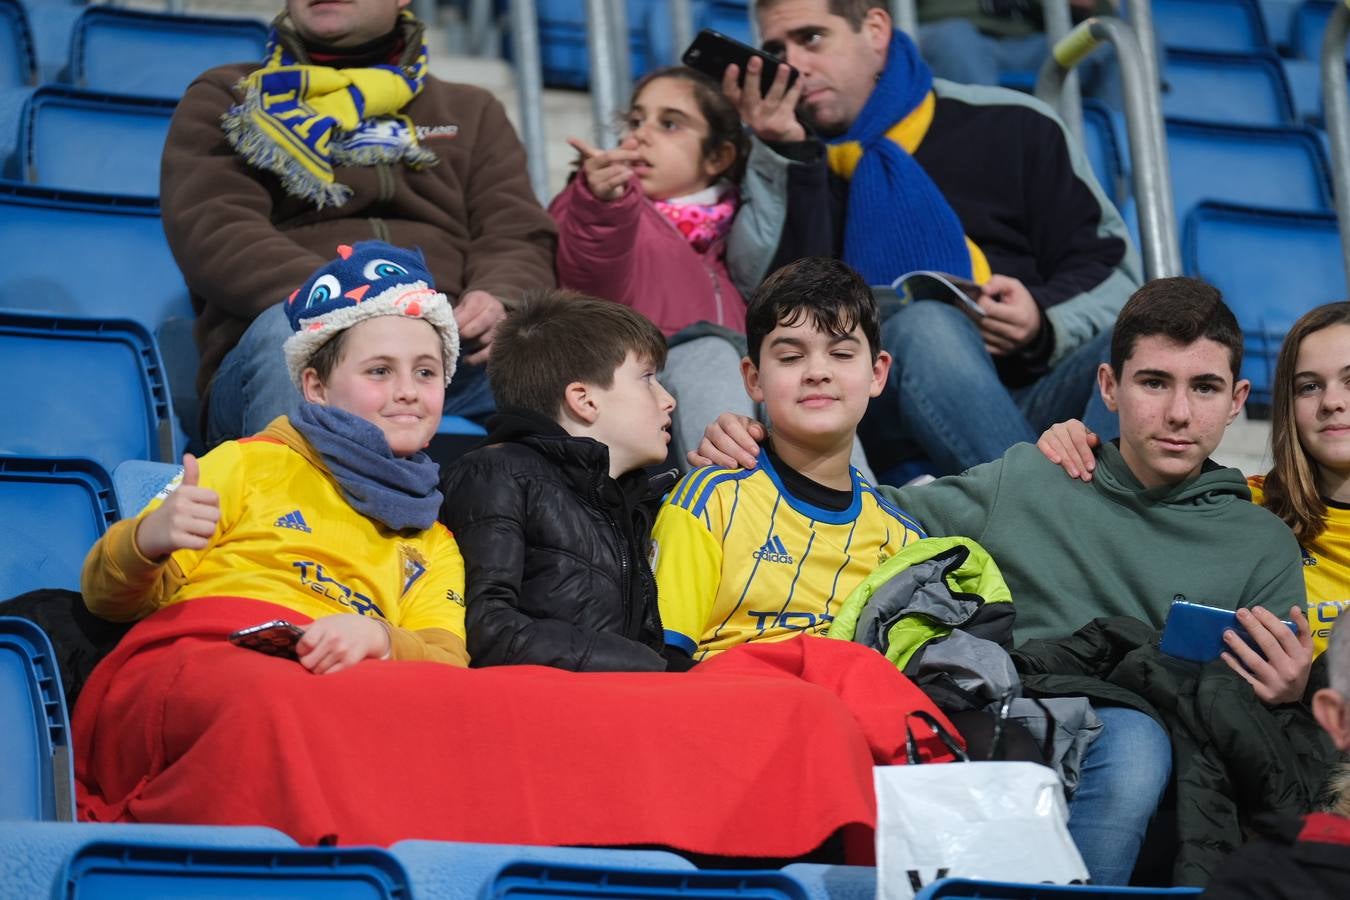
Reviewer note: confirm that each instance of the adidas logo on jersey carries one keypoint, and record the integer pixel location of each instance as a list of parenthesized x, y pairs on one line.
[(773, 551), (293, 520)]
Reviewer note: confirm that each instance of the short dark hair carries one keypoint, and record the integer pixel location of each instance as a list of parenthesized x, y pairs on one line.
[(827, 291), (555, 337), (327, 357), (1183, 310), (852, 10)]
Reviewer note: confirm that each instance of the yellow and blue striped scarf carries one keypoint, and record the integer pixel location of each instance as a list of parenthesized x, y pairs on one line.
[(897, 219), (299, 121)]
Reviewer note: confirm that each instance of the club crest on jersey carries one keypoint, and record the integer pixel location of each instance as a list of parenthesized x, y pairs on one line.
[(414, 566)]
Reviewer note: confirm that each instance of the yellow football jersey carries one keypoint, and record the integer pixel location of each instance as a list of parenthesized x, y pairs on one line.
[(1326, 570), (738, 558)]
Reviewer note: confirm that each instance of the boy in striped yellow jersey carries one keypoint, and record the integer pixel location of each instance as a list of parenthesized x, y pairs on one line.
[(768, 553)]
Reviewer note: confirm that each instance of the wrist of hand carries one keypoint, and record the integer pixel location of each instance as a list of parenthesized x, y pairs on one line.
[(388, 639)]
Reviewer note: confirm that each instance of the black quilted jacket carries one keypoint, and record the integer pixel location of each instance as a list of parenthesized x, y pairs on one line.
[(555, 551)]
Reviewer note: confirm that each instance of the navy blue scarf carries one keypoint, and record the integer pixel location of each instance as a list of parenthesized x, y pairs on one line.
[(897, 220), (397, 492)]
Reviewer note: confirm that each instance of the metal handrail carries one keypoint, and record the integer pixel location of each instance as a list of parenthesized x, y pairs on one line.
[(621, 48), (1144, 125), (681, 28), (605, 83), (1141, 18), (1335, 98), (1058, 23), (530, 85), (904, 17)]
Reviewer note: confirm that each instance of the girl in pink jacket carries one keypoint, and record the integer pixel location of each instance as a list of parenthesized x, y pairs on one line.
[(646, 223)]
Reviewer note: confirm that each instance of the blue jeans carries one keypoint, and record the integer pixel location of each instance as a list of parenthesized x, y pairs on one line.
[(1125, 772), (252, 386), (944, 399)]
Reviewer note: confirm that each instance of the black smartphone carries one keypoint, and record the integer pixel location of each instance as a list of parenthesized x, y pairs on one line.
[(275, 638), (711, 53)]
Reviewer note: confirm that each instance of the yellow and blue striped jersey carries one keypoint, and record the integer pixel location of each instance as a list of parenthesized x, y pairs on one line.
[(738, 558)]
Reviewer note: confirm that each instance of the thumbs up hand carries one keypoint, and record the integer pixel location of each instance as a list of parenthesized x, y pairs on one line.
[(186, 520)]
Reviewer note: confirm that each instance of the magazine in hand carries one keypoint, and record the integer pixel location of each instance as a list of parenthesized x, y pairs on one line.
[(951, 289)]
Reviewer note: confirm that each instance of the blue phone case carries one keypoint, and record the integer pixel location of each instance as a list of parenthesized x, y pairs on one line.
[(1195, 632)]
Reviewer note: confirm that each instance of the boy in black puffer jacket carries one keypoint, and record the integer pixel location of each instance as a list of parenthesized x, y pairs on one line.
[(554, 514)]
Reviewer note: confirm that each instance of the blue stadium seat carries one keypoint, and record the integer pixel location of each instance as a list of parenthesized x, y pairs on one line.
[(52, 22), (37, 781), (88, 255), (156, 54), (1304, 77), (543, 881), (18, 53), (1272, 267), (969, 889), (108, 869), (89, 388), (459, 871), (1223, 25), (1309, 23), (1283, 168), (136, 482), (1102, 143), (1279, 19), (731, 17), (33, 854), (51, 512), (827, 882), (61, 124), (1234, 88), (564, 56)]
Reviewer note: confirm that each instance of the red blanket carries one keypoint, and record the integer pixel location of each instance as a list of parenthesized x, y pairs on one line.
[(740, 757)]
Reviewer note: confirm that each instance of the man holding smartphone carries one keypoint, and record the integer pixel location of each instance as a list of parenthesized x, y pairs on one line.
[(915, 173)]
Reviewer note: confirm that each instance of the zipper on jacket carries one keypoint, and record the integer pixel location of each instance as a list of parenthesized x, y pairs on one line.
[(625, 564)]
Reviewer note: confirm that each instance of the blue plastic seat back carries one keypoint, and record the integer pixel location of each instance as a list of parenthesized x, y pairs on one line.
[(156, 54), (1282, 168), (729, 17), (537, 881), (61, 125), (36, 779), (137, 481), (454, 870), (89, 388), (1279, 18), (18, 53), (564, 55), (1304, 77), (88, 255), (1310, 21), (1102, 145), (33, 854), (115, 869), (1223, 25), (51, 512), (1241, 89), (969, 889), (1272, 267)]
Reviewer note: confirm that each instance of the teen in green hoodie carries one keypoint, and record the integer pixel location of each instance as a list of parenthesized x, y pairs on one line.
[(1159, 519)]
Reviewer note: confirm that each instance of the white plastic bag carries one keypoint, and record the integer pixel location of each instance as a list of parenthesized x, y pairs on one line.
[(1002, 821)]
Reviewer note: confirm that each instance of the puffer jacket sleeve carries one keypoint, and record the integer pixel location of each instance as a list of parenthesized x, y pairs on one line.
[(597, 241), (487, 509)]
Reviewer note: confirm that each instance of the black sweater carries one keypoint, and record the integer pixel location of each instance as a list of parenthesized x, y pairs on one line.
[(555, 551)]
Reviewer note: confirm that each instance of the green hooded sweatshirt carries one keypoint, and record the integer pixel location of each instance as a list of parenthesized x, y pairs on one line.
[(1072, 552)]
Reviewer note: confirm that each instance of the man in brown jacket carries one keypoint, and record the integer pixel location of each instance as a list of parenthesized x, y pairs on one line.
[(245, 237)]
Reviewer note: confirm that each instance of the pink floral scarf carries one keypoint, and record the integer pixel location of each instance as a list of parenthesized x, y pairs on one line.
[(703, 218)]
